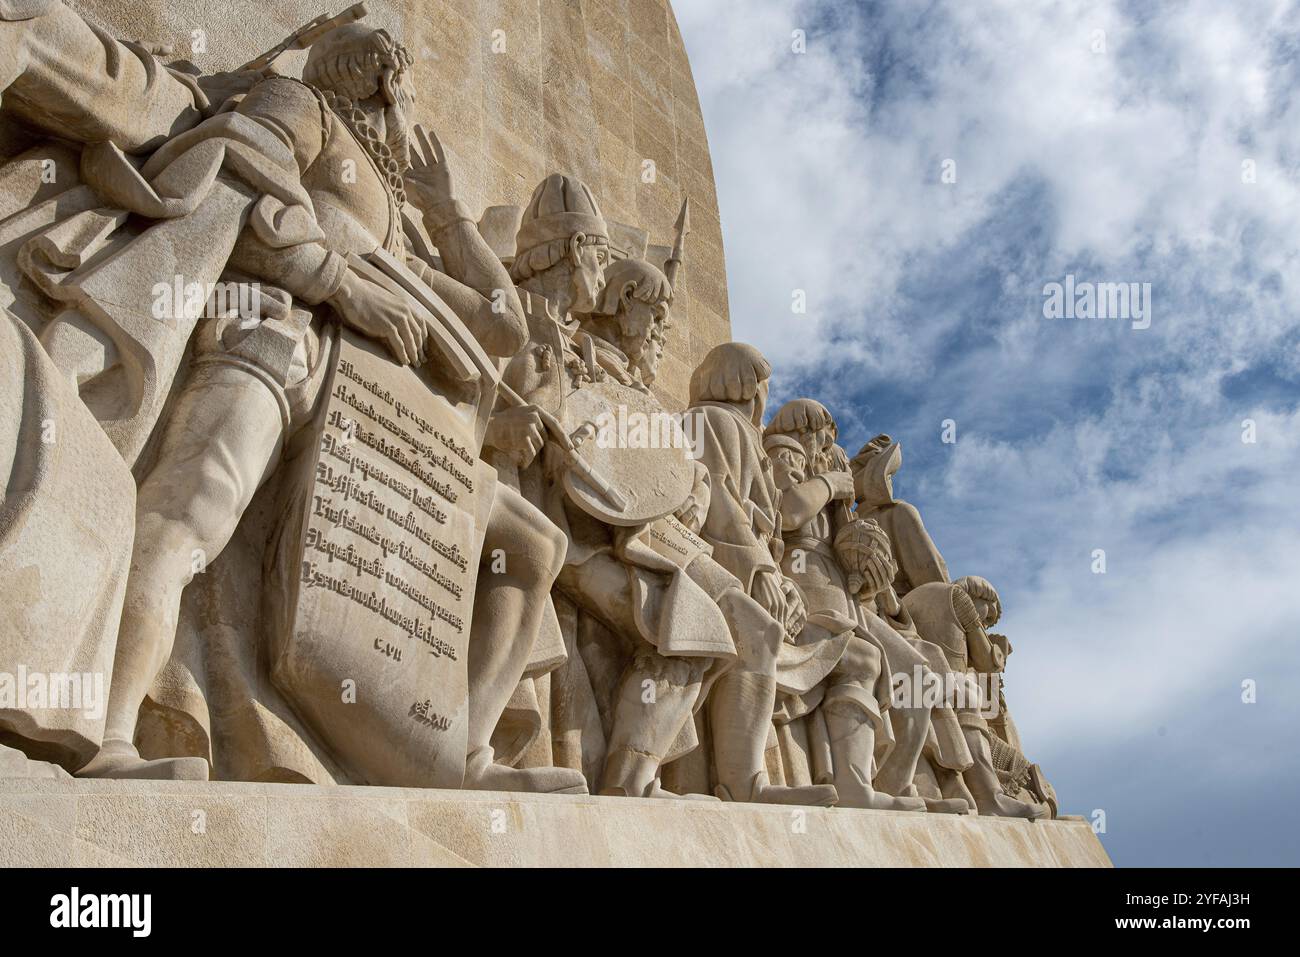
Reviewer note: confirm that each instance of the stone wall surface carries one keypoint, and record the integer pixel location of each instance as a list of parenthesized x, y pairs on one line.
[(151, 823), (589, 87)]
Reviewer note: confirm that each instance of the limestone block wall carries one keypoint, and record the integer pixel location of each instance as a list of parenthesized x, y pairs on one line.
[(516, 89)]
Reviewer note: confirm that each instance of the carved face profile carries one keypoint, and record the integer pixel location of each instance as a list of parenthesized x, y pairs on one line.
[(587, 263), (365, 64), (873, 471), (654, 354), (399, 113), (637, 321), (563, 244), (789, 467), (637, 295), (636, 298)]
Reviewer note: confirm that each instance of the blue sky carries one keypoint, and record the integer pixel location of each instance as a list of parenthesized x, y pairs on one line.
[(1118, 142)]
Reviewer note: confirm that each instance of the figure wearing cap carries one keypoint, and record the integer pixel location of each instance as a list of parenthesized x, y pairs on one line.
[(562, 246), (840, 717), (673, 621)]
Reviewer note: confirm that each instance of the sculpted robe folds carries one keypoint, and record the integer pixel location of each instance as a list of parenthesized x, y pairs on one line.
[(65, 546), (69, 77), (742, 523)]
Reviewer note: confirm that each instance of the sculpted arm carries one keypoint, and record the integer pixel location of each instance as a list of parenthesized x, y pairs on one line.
[(982, 654), (801, 503), (307, 270), (475, 284), (70, 78), (918, 556)]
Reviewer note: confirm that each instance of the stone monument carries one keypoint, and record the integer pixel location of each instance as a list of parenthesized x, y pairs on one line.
[(369, 416)]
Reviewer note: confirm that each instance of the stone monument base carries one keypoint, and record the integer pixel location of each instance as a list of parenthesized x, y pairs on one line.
[(98, 823)]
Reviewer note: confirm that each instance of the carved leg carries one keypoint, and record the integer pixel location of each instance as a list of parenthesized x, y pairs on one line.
[(740, 708), (655, 699), (853, 742), (220, 444), (910, 725), (983, 782), (740, 711), (508, 609), (851, 717)]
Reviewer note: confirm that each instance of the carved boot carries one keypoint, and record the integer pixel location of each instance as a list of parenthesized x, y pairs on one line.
[(935, 784), (482, 773), (852, 744), (655, 700), (15, 764), (740, 711), (983, 782), (898, 772), (119, 759), (1042, 788)]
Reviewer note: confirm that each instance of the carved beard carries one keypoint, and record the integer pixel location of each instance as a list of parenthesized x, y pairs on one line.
[(648, 364), (635, 337), (812, 451), (874, 482), (399, 135)]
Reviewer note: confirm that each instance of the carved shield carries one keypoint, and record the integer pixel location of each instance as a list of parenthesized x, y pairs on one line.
[(627, 438)]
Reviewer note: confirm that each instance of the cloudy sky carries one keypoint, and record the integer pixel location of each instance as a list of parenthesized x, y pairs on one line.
[(922, 171)]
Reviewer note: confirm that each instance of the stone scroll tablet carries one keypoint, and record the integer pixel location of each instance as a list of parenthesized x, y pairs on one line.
[(395, 502), (675, 542)]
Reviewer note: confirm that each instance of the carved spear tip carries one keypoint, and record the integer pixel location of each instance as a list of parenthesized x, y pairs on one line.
[(679, 245), (683, 222)]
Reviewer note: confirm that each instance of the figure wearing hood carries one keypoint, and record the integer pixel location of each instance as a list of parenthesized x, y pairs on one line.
[(873, 470)]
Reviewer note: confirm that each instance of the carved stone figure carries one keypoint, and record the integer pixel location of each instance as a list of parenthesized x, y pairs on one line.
[(874, 467), (65, 516), (866, 555), (742, 523), (478, 550), (1020, 778), (947, 615), (848, 735), (252, 390), (675, 614)]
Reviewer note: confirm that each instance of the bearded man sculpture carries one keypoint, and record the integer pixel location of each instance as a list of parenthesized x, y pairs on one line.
[(253, 388)]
